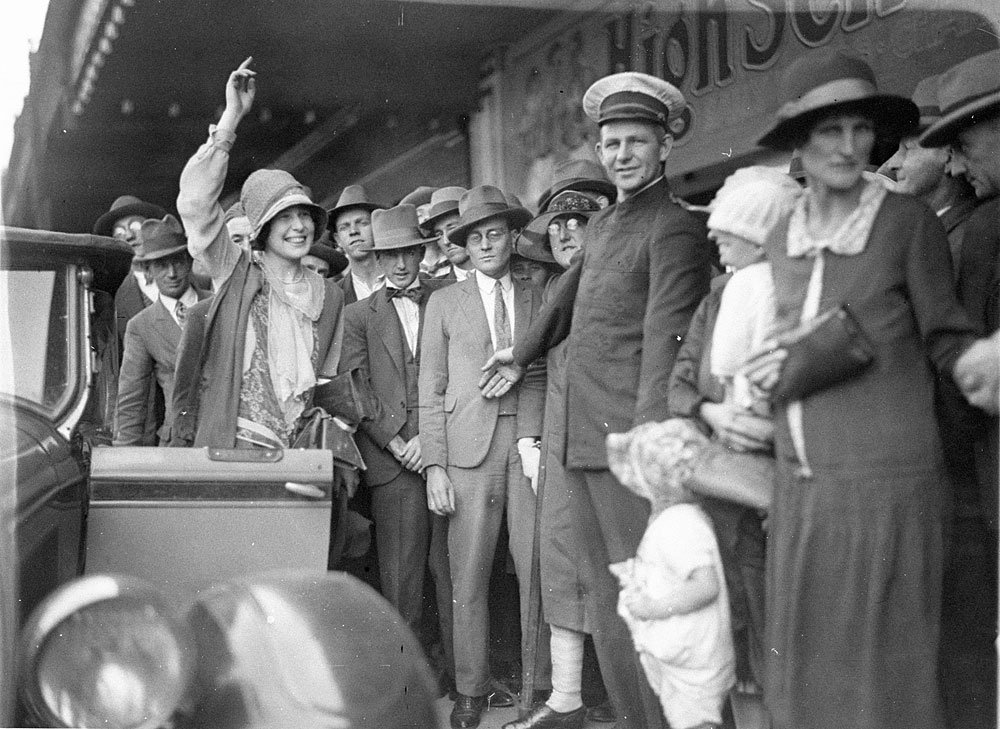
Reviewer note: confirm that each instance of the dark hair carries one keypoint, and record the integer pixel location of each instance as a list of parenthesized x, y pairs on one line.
[(260, 240)]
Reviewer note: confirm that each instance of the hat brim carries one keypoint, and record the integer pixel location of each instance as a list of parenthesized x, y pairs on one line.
[(334, 258), (429, 223), (578, 184), (404, 243), (106, 223), (945, 130), (318, 214), (515, 217), (332, 213), (533, 245), (892, 116), (161, 254)]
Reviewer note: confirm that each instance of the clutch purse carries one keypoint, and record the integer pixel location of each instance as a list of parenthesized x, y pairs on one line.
[(317, 429), (346, 396), (741, 477), (824, 351)]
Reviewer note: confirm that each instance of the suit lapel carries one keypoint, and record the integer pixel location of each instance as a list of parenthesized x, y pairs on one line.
[(165, 325), (388, 328), (474, 313), (522, 309)]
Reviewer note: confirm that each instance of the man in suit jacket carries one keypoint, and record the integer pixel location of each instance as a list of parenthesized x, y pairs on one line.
[(472, 446), (381, 340), (351, 228), (152, 336)]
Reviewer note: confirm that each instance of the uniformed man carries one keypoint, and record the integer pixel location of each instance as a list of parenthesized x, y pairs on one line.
[(624, 309)]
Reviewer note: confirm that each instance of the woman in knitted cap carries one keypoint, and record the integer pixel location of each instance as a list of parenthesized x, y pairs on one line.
[(854, 550), (273, 327)]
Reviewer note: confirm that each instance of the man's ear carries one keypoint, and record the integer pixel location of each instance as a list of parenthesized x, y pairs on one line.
[(597, 149), (666, 144)]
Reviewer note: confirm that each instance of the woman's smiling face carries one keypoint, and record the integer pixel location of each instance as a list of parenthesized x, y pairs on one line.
[(291, 233)]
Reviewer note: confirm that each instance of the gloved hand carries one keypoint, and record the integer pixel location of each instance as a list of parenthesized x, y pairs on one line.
[(531, 455)]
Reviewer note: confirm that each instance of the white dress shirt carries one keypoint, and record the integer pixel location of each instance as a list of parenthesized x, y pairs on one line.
[(409, 317), (363, 290), (150, 289), (461, 273), (486, 284), (189, 298)]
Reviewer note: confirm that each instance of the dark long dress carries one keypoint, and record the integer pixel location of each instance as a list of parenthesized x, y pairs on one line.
[(854, 552)]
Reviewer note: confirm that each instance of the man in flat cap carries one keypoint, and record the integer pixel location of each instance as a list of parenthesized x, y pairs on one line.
[(624, 309), (152, 336)]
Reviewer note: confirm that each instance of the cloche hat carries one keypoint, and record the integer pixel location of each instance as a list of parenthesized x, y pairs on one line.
[(397, 228), (826, 81), (161, 238), (578, 174), (266, 193), (533, 242), (123, 207), (965, 91), (482, 203), (633, 96)]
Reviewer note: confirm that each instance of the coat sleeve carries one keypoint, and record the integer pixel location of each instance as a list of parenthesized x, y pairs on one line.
[(433, 382), (133, 389), (531, 393), (552, 324), (944, 326), (198, 204), (684, 397), (355, 357), (679, 274)]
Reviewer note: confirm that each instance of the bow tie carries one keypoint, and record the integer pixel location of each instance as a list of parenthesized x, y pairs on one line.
[(415, 294)]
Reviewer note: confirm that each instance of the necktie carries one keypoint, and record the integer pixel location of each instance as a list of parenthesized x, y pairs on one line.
[(500, 321), (415, 294), (181, 311)]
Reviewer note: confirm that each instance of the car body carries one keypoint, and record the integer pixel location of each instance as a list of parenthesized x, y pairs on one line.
[(168, 524)]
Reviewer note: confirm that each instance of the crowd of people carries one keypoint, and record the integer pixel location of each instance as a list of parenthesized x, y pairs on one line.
[(725, 447)]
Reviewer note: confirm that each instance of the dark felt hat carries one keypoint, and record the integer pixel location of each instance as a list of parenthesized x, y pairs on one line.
[(397, 228), (533, 242), (583, 175), (353, 196), (633, 96), (161, 238), (443, 202), (123, 207), (333, 257), (823, 82), (965, 91), (482, 203)]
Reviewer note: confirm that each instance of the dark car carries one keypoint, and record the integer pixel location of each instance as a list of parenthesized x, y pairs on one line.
[(177, 533)]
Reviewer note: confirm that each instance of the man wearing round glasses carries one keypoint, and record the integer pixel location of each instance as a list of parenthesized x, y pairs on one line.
[(471, 446)]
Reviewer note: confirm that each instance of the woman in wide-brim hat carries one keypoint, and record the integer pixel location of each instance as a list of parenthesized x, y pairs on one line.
[(854, 552), (269, 333)]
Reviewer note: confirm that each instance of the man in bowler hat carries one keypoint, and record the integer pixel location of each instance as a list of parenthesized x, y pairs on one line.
[(624, 310)]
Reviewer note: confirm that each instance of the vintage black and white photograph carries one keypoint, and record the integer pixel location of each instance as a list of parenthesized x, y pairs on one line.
[(514, 364)]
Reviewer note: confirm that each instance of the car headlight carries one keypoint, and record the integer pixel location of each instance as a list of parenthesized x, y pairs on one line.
[(105, 651)]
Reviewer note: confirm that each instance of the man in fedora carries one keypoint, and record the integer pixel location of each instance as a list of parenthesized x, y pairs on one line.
[(325, 260), (153, 335), (124, 222), (442, 218), (470, 445), (624, 309), (351, 228), (382, 342)]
